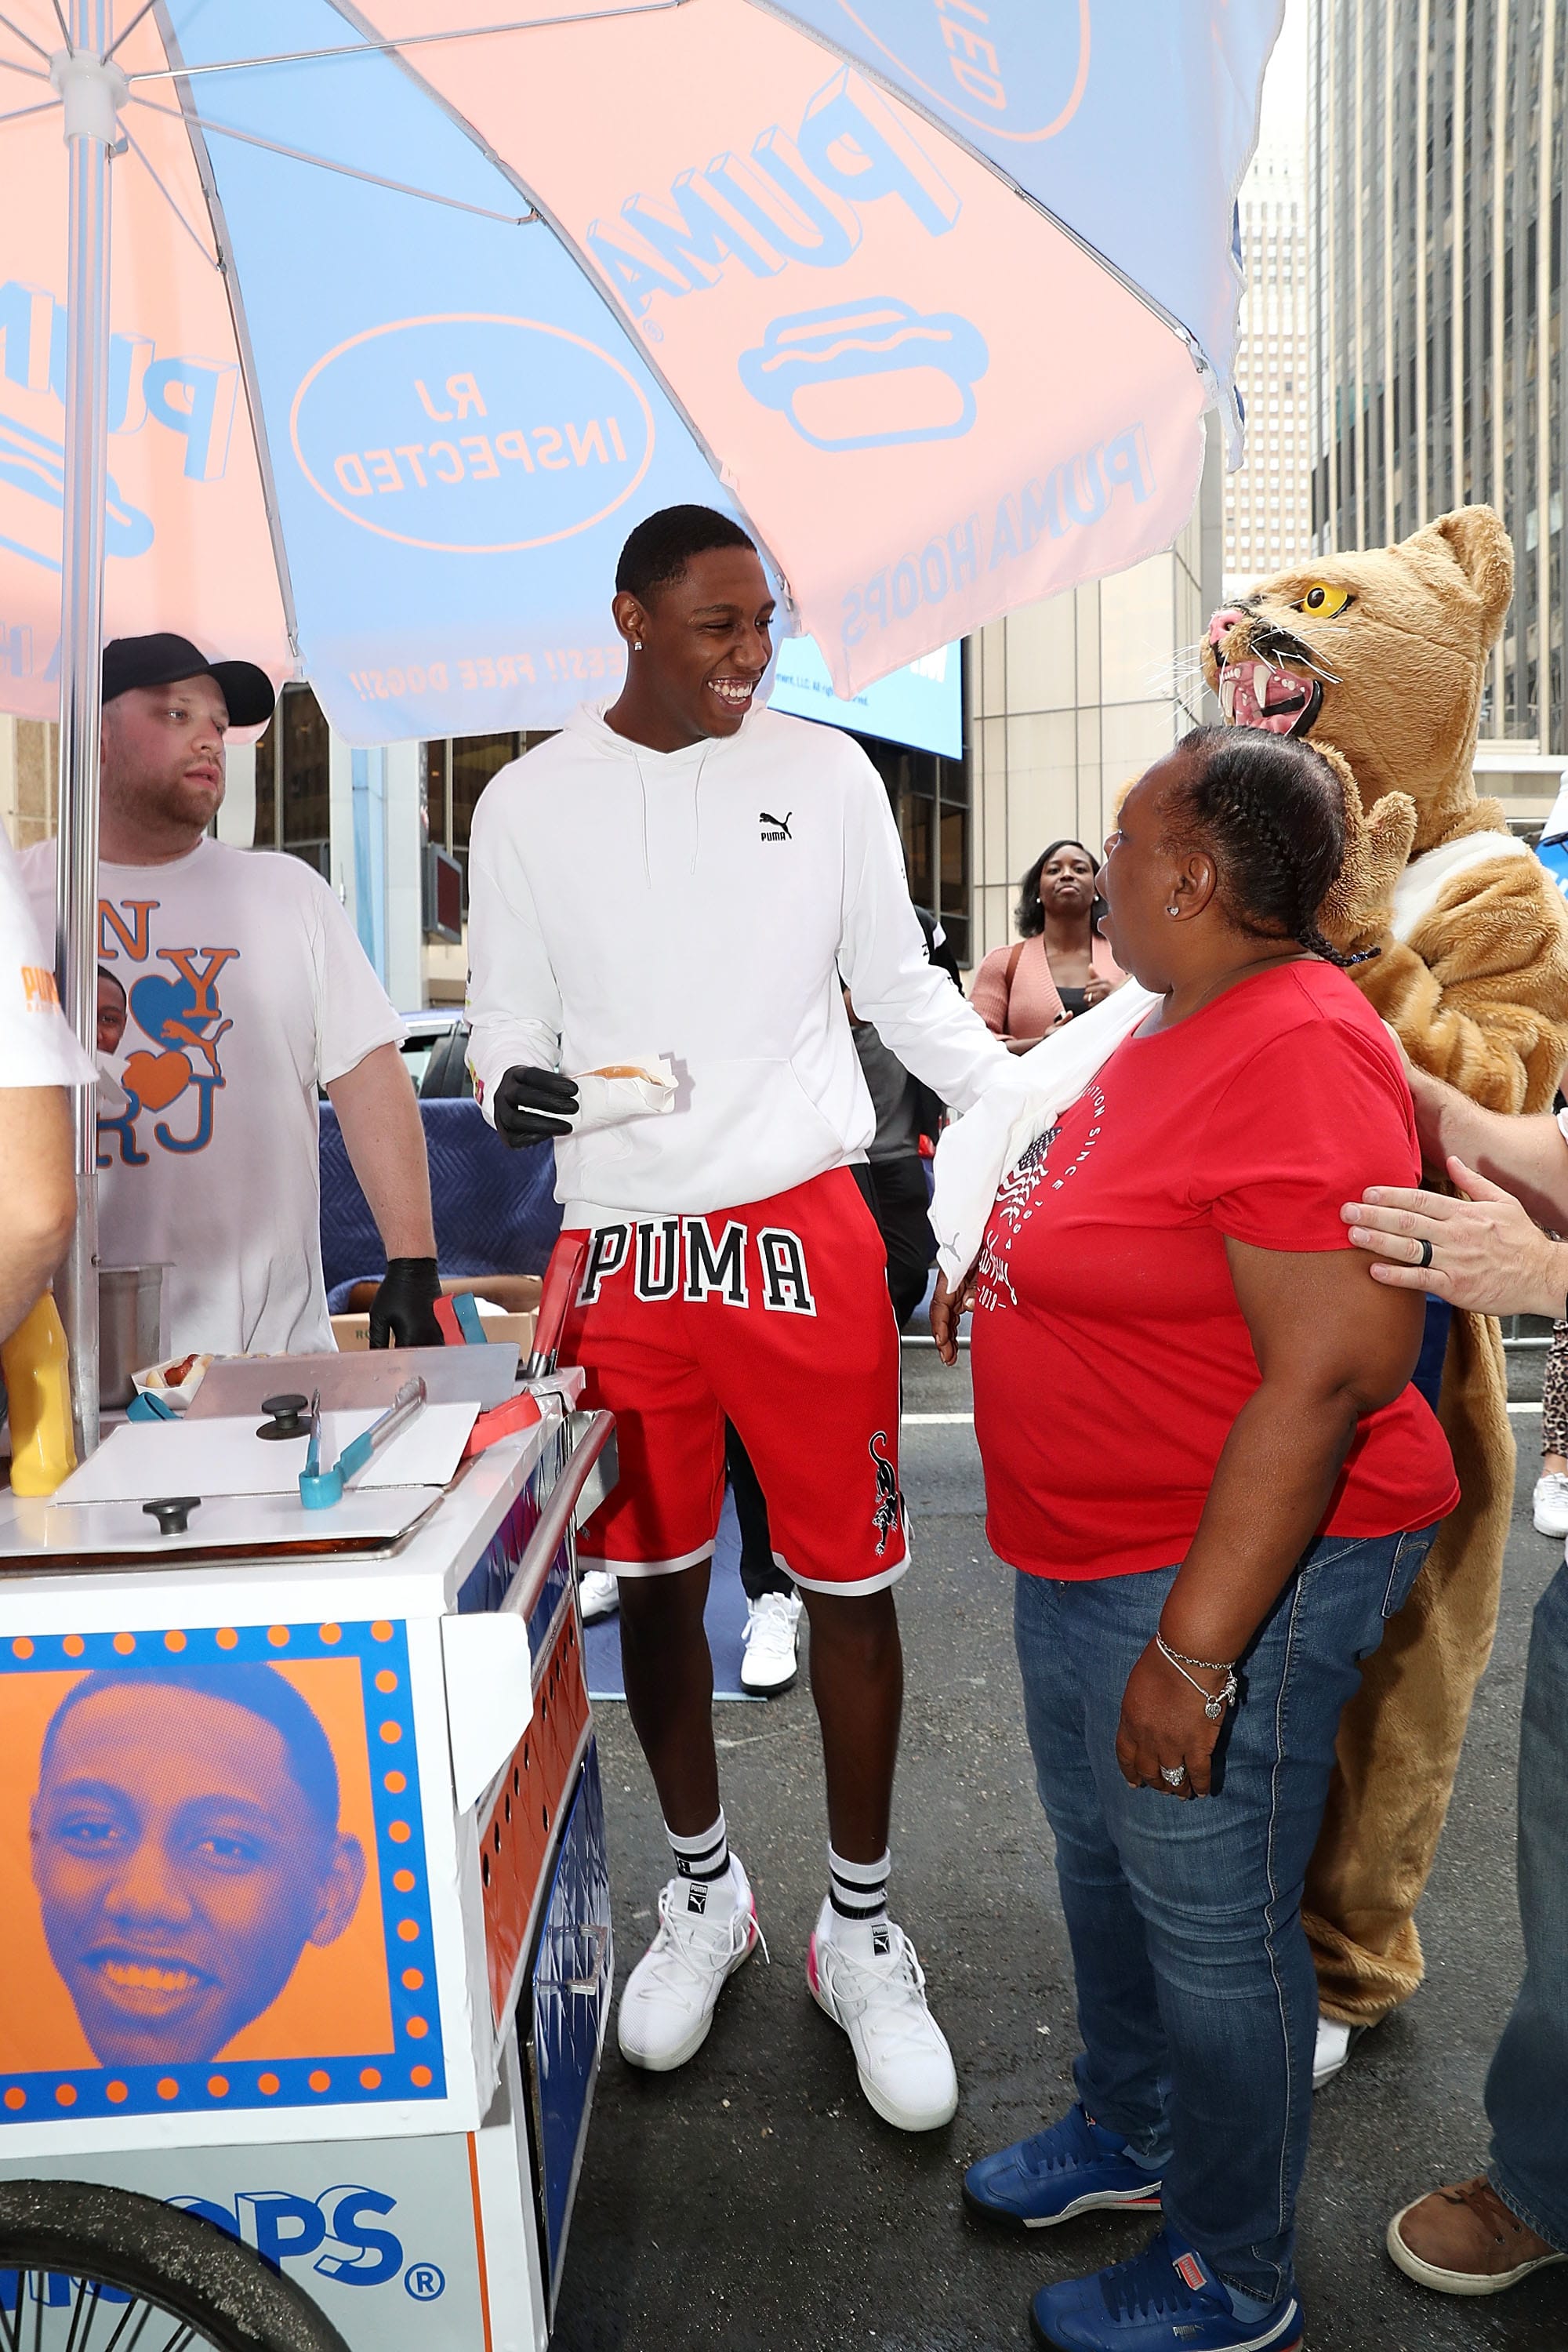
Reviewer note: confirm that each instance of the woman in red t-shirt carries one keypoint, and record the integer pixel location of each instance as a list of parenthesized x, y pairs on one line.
[(1204, 1456)]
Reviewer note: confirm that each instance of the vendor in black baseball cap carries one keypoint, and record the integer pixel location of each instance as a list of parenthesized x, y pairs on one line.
[(246, 993), (167, 660)]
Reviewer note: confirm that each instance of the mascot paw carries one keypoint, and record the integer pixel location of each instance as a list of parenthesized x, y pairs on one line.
[(1378, 842)]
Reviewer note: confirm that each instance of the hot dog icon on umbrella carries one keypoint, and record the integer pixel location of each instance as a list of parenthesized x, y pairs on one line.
[(870, 374)]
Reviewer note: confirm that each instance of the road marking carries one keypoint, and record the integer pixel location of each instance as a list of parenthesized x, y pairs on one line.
[(1526, 1408)]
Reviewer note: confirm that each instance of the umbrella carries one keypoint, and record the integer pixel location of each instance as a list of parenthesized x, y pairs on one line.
[(411, 308)]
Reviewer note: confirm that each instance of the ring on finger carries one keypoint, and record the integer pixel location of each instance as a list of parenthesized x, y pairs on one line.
[(1173, 1775), (1424, 1258)]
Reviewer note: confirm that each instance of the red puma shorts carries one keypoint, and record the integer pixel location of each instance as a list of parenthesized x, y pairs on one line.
[(777, 1317)]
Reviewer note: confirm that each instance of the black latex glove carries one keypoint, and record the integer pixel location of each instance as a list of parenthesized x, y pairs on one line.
[(532, 1106), (403, 1312)]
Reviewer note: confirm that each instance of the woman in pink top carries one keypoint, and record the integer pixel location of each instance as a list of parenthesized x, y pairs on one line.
[(1060, 965)]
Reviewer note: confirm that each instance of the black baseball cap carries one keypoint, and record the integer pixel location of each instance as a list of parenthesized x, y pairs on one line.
[(159, 660)]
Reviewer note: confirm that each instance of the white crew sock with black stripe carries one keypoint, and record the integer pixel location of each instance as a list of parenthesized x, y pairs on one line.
[(702, 1866), (858, 1891)]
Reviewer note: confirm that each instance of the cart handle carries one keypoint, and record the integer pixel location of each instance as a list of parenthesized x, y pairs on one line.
[(559, 1510)]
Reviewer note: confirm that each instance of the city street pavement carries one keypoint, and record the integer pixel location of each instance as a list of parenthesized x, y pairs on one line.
[(753, 2200)]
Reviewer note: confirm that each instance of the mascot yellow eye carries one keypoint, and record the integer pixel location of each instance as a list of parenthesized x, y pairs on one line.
[(1324, 601)]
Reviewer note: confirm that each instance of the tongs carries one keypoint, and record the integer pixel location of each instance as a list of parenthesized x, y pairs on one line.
[(318, 1488)]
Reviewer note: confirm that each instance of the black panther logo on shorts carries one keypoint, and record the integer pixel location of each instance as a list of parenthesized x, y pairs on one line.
[(888, 1517)]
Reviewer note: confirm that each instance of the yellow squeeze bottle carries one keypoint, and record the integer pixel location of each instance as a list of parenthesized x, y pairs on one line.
[(35, 1362)]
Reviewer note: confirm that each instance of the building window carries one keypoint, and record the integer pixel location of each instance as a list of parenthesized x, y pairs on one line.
[(293, 782), (931, 804), (454, 773)]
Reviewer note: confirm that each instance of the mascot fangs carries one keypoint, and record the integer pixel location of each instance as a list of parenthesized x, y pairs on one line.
[(1379, 659)]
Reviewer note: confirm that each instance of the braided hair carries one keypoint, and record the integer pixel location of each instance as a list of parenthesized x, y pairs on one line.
[(1270, 809)]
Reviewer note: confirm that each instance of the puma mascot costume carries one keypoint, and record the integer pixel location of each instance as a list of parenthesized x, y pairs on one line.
[(1379, 659)]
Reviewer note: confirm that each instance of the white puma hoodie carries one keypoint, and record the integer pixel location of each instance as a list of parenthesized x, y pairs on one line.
[(702, 904)]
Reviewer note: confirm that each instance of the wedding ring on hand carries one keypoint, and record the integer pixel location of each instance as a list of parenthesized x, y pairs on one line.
[(1173, 1775), (1424, 1260)]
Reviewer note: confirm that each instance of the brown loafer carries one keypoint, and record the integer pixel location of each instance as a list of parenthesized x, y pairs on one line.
[(1466, 2241)]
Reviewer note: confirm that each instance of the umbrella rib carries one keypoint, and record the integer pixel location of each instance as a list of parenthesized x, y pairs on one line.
[(20, 113), (171, 201), (326, 164), (419, 40), (200, 156), (65, 29), (36, 47), (126, 30), (33, 46)]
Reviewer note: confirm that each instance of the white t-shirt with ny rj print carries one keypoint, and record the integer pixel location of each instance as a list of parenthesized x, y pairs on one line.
[(245, 989)]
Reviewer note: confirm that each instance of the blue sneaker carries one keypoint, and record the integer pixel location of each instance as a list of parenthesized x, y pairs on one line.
[(1165, 2299), (1073, 2167)]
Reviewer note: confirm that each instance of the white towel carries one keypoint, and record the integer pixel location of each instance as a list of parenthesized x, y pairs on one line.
[(608, 1102), (1426, 878), (974, 1153)]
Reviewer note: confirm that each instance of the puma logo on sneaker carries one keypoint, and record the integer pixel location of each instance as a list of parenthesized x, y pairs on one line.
[(775, 828)]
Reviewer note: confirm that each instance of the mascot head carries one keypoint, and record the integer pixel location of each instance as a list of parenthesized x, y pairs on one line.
[(1381, 654)]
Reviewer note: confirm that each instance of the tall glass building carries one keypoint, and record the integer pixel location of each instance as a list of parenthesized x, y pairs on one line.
[(1436, 161)]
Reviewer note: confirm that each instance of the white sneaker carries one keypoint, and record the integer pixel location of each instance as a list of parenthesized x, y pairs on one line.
[(1334, 2044), (768, 1661), (1550, 1503), (868, 1980), (705, 1932), (599, 1592)]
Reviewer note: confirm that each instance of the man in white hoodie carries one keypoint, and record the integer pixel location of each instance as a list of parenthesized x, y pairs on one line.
[(680, 875)]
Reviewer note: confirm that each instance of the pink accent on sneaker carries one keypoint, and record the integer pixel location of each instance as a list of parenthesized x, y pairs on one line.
[(813, 1980)]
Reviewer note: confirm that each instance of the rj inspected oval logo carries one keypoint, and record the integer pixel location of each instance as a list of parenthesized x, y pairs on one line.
[(471, 434), (989, 66)]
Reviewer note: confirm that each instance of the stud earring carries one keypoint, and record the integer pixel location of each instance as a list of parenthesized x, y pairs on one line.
[(637, 644), (1172, 910)]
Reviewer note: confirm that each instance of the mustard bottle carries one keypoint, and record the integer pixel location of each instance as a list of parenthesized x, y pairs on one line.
[(35, 1362)]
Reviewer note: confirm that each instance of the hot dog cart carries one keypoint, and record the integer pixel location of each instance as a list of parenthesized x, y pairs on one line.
[(301, 1841)]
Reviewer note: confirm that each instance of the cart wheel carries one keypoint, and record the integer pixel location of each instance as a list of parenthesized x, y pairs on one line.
[(84, 2268)]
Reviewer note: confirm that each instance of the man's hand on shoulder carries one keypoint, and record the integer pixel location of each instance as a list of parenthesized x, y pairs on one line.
[(533, 1105), (1482, 1253)]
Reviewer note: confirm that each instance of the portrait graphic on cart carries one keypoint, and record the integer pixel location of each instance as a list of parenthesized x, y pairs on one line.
[(187, 1849)]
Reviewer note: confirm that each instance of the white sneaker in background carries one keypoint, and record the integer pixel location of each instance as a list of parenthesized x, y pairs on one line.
[(599, 1592), (1550, 1503), (769, 1662), (1334, 2044), (707, 1930), (868, 1981)]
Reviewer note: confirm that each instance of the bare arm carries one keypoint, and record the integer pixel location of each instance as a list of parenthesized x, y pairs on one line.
[(40, 1191), (1331, 1349), (1528, 1157), (379, 1113)]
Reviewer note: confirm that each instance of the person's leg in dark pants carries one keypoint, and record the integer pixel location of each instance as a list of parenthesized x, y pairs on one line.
[(900, 1202), (759, 1572), (770, 1657)]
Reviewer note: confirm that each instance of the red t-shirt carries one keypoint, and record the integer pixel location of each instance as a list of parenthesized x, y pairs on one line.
[(1110, 1355)]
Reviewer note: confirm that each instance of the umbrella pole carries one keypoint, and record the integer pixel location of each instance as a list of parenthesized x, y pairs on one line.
[(92, 90)]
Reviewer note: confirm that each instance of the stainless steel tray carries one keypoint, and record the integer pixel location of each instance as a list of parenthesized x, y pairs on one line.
[(236, 1385)]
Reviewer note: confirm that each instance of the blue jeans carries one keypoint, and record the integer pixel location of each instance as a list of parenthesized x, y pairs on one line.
[(1527, 2088), (1196, 1998)]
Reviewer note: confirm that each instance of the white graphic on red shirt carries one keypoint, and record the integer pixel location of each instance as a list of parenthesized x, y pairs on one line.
[(1017, 1198)]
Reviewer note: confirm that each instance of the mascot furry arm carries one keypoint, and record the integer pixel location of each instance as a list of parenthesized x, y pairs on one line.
[(1380, 659)]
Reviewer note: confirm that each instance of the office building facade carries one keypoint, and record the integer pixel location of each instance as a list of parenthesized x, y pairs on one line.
[(1268, 500), (1435, 167)]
